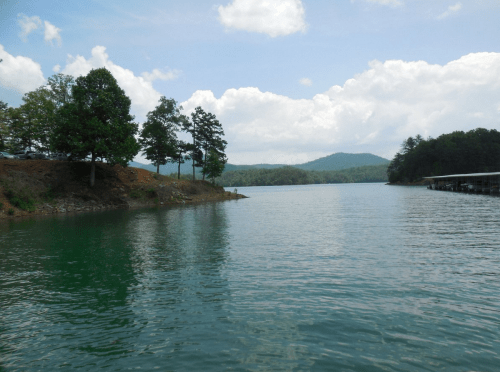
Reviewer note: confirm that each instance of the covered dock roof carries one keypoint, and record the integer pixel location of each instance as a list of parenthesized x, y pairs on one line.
[(465, 175)]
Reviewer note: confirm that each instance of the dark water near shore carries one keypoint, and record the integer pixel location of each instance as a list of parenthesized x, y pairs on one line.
[(324, 278)]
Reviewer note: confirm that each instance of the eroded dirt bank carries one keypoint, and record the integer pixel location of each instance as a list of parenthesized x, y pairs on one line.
[(34, 187)]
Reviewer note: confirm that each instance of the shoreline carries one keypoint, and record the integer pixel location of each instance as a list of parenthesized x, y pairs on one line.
[(62, 188)]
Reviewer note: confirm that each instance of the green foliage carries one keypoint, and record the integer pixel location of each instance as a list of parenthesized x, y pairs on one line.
[(37, 116), (135, 194), (292, 176), (214, 164), (49, 195), (455, 153), (151, 193), (4, 125), (97, 123), (1, 205), (60, 89), (179, 157), (158, 137), (10, 212), (21, 199), (207, 135)]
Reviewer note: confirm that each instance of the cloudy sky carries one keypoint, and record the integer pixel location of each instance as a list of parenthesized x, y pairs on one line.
[(290, 80)]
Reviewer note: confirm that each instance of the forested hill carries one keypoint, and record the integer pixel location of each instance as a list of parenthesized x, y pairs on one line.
[(342, 160), (332, 162), (476, 151), (293, 176)]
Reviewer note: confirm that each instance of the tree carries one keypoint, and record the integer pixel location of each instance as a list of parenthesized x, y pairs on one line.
[(208, 136), (192, 127), (179, 157), (22, 127), (158, 137), (4, 125), (97, 123), (214, 164), (39, 113), (60, 89)]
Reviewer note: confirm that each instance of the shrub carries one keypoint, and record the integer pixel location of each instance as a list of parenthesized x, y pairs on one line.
[(10, 212), (48, 195), (151, 193), (26, 204), (1, 205), (135, 194)]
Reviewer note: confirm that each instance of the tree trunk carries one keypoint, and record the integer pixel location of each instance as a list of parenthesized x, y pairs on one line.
[(205, 163), (179, 170), (158, 168), (92, 171), (193, 170)]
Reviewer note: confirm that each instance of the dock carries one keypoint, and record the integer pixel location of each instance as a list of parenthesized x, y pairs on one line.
[(485, 183)]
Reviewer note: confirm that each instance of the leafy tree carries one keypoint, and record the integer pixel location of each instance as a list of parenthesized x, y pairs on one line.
[(97, 123), (193, 127), (214, 164), (208, 136), (4, 125), (60, 89), (22, 127), (39, 113), (158, 137), (475, 151), (179, 157)]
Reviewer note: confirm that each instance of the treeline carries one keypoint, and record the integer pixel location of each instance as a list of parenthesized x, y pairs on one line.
[(89, 118), (289, 175), (475, 151)]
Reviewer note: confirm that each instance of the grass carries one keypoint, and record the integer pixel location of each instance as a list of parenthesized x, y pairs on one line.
[(21, 200), (143, 194), (23, 193), (135, 194)]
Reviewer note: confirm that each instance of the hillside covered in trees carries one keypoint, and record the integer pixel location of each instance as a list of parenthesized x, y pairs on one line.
[(455, 153), (293, 176), (333, 162)]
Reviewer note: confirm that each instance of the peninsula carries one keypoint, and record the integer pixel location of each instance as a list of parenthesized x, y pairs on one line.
[(40, 187)]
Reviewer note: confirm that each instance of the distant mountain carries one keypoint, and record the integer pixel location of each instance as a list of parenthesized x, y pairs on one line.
[(332, 162), (342, 160)]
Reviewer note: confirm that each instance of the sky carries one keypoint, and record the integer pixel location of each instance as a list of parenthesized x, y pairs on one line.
[(289, 80)]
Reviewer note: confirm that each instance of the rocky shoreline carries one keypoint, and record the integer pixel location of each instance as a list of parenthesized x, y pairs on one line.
[(61, 187)]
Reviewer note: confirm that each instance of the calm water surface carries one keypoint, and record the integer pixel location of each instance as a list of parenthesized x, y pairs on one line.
[(322, 278)]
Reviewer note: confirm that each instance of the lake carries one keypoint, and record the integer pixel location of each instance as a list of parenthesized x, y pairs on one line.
[(350, 277)]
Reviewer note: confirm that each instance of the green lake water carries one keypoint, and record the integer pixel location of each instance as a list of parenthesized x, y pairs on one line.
[(362, 277)]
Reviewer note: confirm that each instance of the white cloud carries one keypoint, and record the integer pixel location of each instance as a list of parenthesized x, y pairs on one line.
[(56, 68), (305, 81), (20, 74), (139, 88), (28, 25), (52, 33), (272, 17), (452, 9), (159, 75), (372, 112)]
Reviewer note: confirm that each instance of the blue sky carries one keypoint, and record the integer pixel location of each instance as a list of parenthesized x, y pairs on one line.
[(290, 80)]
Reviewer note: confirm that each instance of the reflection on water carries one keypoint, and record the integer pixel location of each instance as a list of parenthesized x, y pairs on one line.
[(327, 277)]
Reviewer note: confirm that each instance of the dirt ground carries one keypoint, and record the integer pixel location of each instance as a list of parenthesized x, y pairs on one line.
[(63, 186)]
